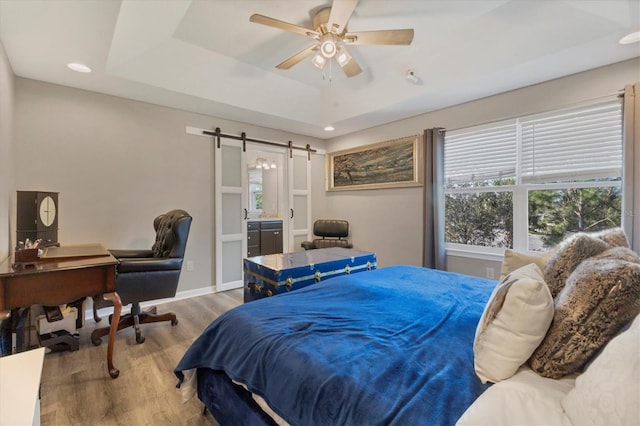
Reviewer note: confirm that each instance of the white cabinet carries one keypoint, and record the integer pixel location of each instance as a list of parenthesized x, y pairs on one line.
[(20, 388)]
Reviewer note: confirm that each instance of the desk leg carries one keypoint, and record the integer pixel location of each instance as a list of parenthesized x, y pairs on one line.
[(117, 306), (5, 315)]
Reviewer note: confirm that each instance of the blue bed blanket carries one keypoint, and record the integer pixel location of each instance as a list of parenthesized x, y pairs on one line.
[(387, 346)]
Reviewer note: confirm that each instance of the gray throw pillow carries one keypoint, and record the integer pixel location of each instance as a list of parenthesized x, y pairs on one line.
[(601, 296)]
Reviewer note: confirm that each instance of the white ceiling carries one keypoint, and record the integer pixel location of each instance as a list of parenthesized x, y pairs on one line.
[(205, 56)]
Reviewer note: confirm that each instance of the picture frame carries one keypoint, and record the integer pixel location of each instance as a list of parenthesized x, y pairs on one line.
[(394, 163)]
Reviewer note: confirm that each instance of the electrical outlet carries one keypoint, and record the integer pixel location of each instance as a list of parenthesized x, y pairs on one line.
[(490, 273), (190, 265)]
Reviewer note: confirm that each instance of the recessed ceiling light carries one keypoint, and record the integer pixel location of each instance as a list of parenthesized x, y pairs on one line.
[(630, 38), (329, 129), (78, 67)]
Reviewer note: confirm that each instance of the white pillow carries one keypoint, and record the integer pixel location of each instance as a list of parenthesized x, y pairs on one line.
[(513, 260), (608, 392), (514, 322), (524, 399)]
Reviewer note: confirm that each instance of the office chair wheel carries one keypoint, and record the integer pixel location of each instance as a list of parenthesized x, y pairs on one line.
[(140, 339), (174, 322), (96, 342)]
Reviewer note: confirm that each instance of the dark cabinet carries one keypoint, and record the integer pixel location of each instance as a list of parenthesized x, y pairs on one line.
[(271, 237), (264, 237), (253, 239)]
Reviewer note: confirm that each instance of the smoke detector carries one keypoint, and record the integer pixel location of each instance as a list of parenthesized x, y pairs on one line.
[(411, 77)]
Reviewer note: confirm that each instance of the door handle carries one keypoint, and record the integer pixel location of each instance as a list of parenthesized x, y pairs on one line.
[(291, 213), (246, 214)]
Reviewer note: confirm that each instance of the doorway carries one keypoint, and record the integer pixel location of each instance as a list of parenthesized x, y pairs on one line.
[(262, 187)]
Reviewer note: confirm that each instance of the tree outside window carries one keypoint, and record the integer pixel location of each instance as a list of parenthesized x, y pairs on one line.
[(553, 214)]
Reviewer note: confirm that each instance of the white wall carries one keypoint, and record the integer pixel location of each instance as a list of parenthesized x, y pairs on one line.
[(6, 143), (389, 222), (118, 163)]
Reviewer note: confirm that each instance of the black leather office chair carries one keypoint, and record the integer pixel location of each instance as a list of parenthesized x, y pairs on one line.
[(332, 233), (144, 275)]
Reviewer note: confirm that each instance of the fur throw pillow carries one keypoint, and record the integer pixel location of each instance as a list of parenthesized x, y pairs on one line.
[(615, 237), (570, 253), (600, 297), (573, 250), (620, 253)]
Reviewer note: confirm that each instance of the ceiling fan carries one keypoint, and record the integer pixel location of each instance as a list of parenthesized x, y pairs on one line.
[(332, 38)]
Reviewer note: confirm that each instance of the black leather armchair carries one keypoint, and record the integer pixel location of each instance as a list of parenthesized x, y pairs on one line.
[(144, 275), (332, 233)]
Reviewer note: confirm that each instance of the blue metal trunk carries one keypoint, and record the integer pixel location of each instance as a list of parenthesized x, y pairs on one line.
[(273, 274)]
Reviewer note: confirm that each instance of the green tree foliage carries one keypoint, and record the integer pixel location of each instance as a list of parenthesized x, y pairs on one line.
[(555, 213), (480, 218), (486, 218)]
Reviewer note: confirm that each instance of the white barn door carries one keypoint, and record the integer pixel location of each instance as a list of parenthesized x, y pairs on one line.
[(230, 212), (299, 172)]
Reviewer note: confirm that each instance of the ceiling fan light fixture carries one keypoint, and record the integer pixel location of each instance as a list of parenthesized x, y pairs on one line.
[(319, 61), (328, 46), (343, 56)]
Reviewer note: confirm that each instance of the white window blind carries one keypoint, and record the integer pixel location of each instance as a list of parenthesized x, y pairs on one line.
[(472, 156), (577, 145), (580, 144)]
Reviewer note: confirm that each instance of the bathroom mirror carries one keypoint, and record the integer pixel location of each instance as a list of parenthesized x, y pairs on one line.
[(265, 177)]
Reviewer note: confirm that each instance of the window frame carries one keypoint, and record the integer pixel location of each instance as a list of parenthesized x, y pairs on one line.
[(520, 191)]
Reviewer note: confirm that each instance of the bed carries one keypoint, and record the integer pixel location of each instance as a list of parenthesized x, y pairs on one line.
[(387, 346)]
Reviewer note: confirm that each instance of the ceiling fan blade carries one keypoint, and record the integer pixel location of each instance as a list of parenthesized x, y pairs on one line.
[(341, 11), (276, 23), (396, 37), (298, 57), (351, 68)]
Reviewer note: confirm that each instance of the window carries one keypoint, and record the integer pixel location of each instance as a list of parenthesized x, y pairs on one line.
[(529, 182)]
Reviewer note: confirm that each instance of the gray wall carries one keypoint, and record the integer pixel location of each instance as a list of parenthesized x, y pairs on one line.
[(389, 222), (6, 143), (117, 163)]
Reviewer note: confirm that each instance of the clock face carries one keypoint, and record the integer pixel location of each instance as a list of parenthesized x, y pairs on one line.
[(47, 211)]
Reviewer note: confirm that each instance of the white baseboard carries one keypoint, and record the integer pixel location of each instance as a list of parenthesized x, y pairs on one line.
[(181, 295)]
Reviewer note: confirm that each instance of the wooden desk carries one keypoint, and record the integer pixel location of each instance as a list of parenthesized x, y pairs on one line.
[(53, 281)]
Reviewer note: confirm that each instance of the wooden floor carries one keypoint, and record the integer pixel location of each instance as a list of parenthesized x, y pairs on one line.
[(77, 390)]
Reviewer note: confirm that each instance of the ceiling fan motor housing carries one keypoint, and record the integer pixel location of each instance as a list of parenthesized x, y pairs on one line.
[(320, 20)]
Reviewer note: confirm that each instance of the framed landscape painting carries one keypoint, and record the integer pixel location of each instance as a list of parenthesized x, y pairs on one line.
[(390, 164)]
